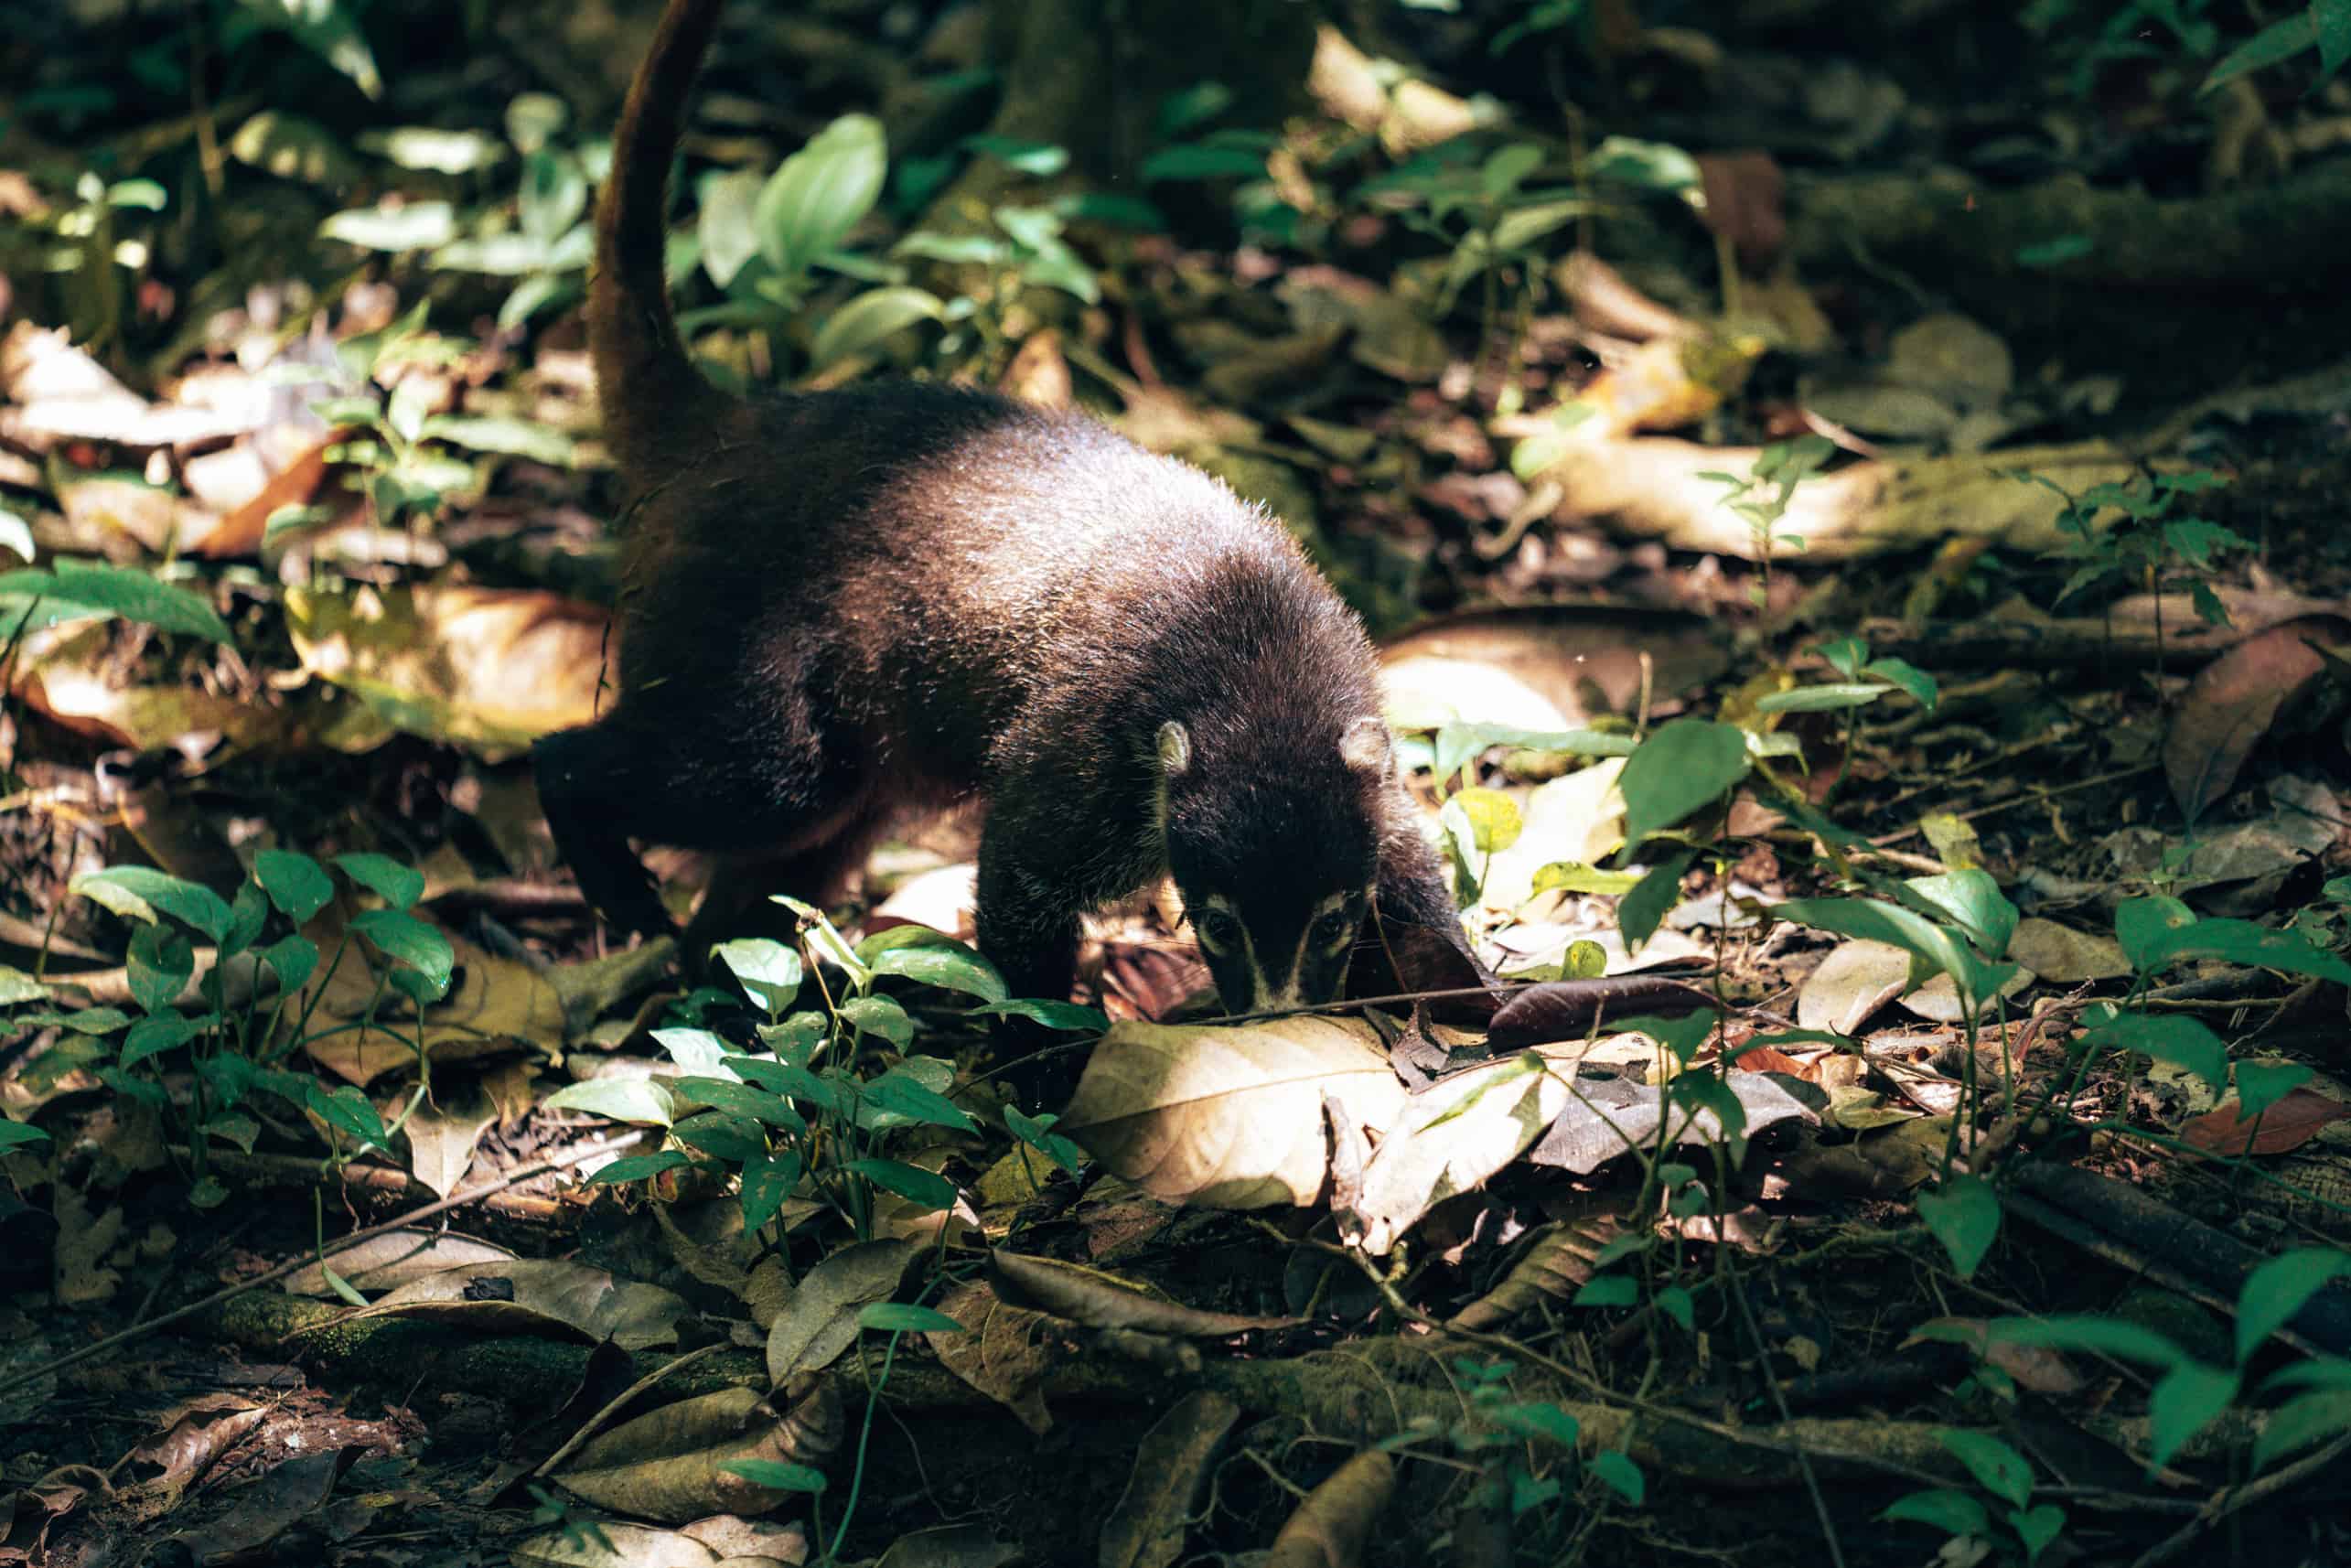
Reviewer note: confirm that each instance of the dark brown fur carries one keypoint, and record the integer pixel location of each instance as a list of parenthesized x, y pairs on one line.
[(840, 606)]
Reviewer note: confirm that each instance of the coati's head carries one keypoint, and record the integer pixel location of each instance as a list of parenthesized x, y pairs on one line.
[(1277, 865)]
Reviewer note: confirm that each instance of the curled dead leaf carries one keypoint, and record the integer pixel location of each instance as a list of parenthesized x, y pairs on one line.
[(668, 1464), (1094, 1299), (2232, 701), (2290, 1123), (1328, 1530)]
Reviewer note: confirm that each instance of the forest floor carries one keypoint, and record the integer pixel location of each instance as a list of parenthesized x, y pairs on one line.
[(1854, 533)]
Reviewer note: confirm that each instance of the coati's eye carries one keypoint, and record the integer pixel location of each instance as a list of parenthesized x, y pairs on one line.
[(1215, 928), (1330, 930)]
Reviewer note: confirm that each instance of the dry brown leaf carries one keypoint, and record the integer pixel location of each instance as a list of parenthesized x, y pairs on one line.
[(2290, 1123), (1850, 984), (2034, 1366), (191, 1435), (494, 668), (2231, 703), (818, 1320), (68, 673), (394, 1259), (241, 530), (1547, 667), (1228, 1118), (1450, 1138), (1005, 1351), (442, 1133), (539, 1295), (666, 1464), (1558, 1261), (1094, 1299), (1745, 202), (492, 1003), (635, 1545), (1330, 1527), (1148, 1527), (2063, 955)]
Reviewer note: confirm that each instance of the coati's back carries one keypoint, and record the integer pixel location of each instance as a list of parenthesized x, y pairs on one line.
[(838, 602)]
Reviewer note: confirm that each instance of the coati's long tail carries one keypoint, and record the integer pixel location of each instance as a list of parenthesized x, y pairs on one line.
[(646, 384)]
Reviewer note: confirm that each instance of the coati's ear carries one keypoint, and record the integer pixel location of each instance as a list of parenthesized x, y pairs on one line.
[(1174, 750), (1364, 747)]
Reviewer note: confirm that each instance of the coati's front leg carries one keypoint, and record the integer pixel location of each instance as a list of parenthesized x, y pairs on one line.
[(1050, 853), (593, 789)]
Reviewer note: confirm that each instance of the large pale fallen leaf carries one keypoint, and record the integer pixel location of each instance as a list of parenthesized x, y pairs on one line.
[(61, 393), (2230, 704), (1579, 819), (1146, 1528), (1330, 1527), (2292, 1122), (1097, 1300), (69, 672), (1548, 667), (539, 1295), (394, 1259), (1850, 984), (2063, 955), (633, 1546), (496, 668), (442, 1133), (1451, 1138), (1228, 1118), (189, 1437), (1608, 1117), (667, 1464), (818, 1319)]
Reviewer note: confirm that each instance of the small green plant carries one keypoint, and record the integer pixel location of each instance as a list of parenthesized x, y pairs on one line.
[(1865, 681), (814, 1102), (1525, 1449), (2147, 546), (230, 1041), (2019, 1532), (1762, 498)]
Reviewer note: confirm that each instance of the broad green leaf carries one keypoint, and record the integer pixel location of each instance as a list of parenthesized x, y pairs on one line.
[(328, 28), (553, 196), (2297, 1424), (190, 902), (293, 959), (508, 437), (896, 1317), (414, 226), (1972, 900), (797, 1038), (2276, 1291), (1652, 166), (921, 954), (767, 1182), (92, 1021), (1457, 744), (17, 987), (1538, 1419), (789, 1080), (869, 319), (1609, 1290), (1955, 1513), (347, 1109), (2141, 923), (401, 936), (1040, 159), (1067, 1015), (15, 1135), (2036, 1527), (160, 963), (1964, 1216), (910, 1182), (769, 970), (1198, 160), (438, 151), (880, 1016), (1686, 765), (819, 193), (2281, 40), (2185, 1401), (164, 1032), (728, 224), (1037, 1133), (1644, 909), (775, 1475), (396, 885), (1998, 1468), (744, 1099), (1492, 818), (637, 1167), (696, 1050), (1827, 698), (642, 1102), (2260, 1085), (2174, 1037), (722, 1134), (248, 913), (2242, 941), (1620, 1474), (902, 1100), (294, 883), (1932, 947), (1574, 876)]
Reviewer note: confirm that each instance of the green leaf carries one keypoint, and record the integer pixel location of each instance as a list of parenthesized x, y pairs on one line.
[(1644, 909), (1998, 1468), (248, 912), (293, 959), (1972, 900), (2242, 941), (2260, 1085), (724, 1134), (1619, 1473), (767, 1182), (2056, 252), (775, 1475), (1041, 158), (414, 226), (1932, 947), (1067, 1015), (1609, 1290), (1953, 1512), (159, 965), (293, 882), (164, 1032), (2141, 923), (1828, 698), (2174, 1037), (1653, 165), (2036, 1527), (190, 902), (1200, 160), (2185, 1401), (508, 437), (728, 224), (401, 936), (17, 987), (1457, 742), (2334, 35), (769, 970), (1037, 1133), (2293, 1426), (905, 1099), (797, 1038), (819, 193), (1537, 1418), (1686, 765), (1575, 877), (2105, 1335), (347, 1109), (328, 28), (1493, 819), (897, 1318), (869, 319), (435, 150), (2281, 40), (2273, 1293), (789, 1080), (642, 1102), (396, 885), (1964, 1216), (552, 197), (637, 1167), (920, 953), (912, 1183), (880, 1016), (760, 1105), (15, 1135)]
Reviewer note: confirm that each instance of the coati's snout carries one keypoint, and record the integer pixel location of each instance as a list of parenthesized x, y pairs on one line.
[(1278, 870)]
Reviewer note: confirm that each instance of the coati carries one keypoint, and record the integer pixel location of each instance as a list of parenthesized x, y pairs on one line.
[(839, 606)]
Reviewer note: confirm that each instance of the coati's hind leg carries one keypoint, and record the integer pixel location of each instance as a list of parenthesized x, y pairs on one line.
[(594, 787)]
